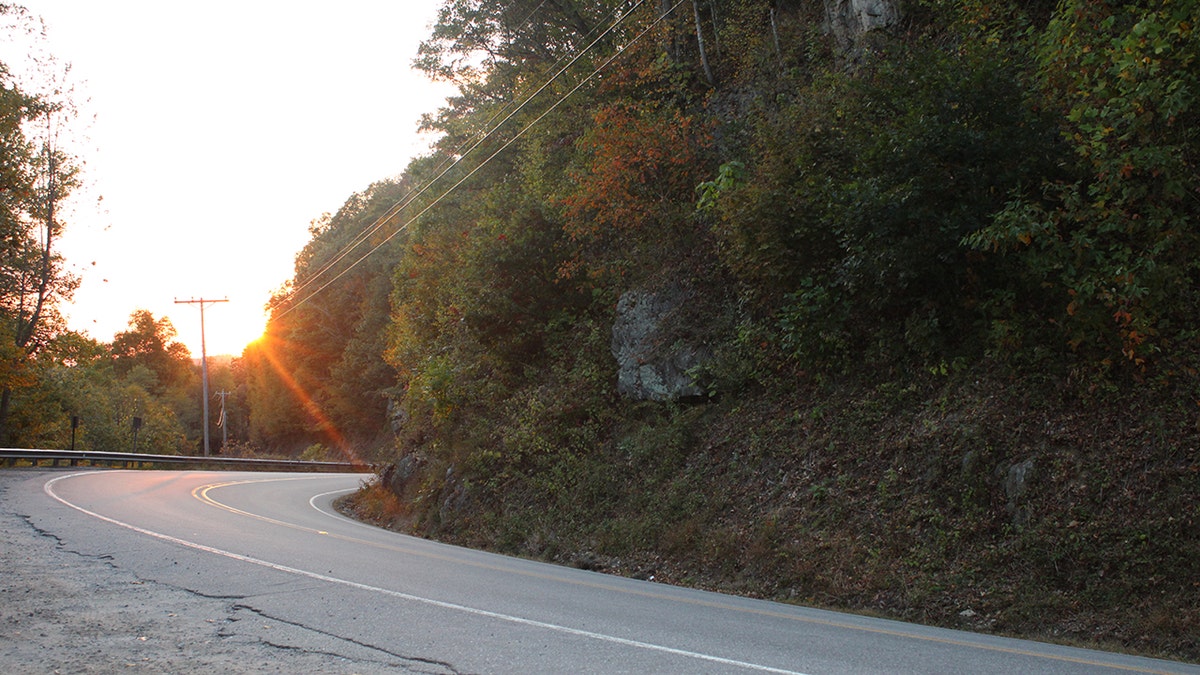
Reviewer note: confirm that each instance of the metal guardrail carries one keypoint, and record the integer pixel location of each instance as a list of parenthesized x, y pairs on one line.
[(132, 460)]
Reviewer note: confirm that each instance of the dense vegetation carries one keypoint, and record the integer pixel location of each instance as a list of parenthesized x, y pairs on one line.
[(944, 273)]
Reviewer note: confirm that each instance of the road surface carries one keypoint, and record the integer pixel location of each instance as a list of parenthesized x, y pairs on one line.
[(257, 572)]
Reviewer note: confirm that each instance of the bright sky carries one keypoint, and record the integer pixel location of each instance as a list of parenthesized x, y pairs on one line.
[(216, 132)]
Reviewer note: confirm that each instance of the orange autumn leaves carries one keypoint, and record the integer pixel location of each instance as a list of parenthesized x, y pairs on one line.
[(641, 165)]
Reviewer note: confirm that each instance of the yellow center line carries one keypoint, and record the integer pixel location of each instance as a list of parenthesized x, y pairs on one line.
[(202, 493)]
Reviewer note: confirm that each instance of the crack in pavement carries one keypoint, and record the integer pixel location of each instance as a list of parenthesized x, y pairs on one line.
[(71, 610), (61, 544), (442, 667), (445, 666)]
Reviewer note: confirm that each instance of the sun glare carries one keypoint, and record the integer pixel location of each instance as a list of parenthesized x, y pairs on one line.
[(228, 328)]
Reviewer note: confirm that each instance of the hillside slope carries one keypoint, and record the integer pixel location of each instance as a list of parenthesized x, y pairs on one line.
[(976, 500)]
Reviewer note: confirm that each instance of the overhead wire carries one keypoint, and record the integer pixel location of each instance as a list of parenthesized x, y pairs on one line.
[(459, 155), (620, 51), (453, 159)]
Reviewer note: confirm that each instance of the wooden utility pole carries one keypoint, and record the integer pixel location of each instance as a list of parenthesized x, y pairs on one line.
[(203, 359)]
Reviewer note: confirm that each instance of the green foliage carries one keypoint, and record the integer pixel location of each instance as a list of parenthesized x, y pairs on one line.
[(148, 352), (106, 409), (278, 408), (76, 378), (847, 229), (923, 203), (316, 453), (1115, 242), (813, 324), (318, 373), (730, 175), (482, 42)]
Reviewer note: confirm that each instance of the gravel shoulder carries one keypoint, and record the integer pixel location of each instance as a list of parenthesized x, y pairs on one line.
[(63, 611)]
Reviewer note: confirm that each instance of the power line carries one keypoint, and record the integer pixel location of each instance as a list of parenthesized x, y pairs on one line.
[(459, 154), (396, 208)]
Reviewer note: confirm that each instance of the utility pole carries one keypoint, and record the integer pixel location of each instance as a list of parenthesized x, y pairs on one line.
[(203, 359)]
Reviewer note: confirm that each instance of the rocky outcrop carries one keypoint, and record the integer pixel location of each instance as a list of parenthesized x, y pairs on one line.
[(395, 476), (654, 362), (851, 21), (397, 416)]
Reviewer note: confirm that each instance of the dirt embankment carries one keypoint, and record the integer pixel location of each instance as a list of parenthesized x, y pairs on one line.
[(975, 500)]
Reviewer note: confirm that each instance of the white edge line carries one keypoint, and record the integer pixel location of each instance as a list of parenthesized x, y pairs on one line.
[(49, 490), (337, 516)]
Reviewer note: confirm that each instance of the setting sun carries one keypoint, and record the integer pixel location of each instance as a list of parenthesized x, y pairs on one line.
[(265, 168), (228, 327)]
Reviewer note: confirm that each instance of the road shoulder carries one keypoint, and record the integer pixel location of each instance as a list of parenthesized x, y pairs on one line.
[(67, 611)]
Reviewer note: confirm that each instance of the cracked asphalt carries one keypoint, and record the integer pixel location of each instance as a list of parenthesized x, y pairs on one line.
[(235, 572), (65, 611)]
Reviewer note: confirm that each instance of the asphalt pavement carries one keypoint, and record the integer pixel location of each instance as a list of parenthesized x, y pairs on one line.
[(256, 572)]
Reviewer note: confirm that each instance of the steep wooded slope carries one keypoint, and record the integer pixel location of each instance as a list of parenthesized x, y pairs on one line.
[(943, 274)]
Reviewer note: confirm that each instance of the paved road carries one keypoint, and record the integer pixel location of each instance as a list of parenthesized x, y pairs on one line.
[(271, 548)]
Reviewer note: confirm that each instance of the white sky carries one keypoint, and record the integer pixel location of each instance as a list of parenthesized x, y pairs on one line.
[(216, 132)]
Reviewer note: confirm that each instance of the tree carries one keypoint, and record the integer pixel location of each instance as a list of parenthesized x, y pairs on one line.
[(75, 379), (318, 374), (146, 355), (150, 343), (475, 41), (36, 176), (844, 203)]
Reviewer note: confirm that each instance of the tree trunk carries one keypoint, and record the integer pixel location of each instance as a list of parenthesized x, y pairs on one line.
[(708, 74), (775, 37), (25, 333), (670, 46), (5, 408)]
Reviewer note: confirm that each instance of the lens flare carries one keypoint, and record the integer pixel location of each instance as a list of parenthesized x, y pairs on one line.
[(270, 348)]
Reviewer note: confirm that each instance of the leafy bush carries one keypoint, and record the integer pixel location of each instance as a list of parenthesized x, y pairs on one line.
[(1114, 245)]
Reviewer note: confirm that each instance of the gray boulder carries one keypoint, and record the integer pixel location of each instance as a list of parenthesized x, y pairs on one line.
[(851, 20), (653, 361)]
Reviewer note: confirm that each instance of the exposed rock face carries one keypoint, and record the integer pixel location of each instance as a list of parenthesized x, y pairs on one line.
[(397, 416), (653, 362), (1016, 484), (850, 20), (395, 476)]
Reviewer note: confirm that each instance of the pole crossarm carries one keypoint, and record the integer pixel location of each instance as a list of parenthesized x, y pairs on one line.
[(203, 357)]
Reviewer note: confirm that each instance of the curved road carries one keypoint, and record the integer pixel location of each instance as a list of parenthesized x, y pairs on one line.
[(273, 544)]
